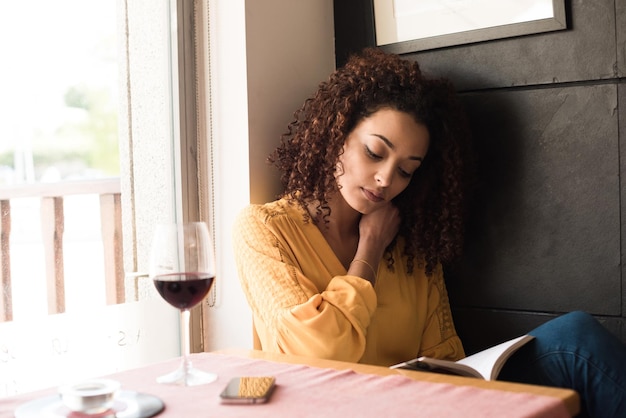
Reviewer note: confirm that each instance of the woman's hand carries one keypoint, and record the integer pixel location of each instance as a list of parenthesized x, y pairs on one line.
[(376, 231), (380, 227)]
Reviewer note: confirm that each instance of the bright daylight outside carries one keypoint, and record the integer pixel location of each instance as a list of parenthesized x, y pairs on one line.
[(59, 106)]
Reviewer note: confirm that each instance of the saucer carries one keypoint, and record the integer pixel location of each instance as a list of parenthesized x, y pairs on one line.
[(127, 404)]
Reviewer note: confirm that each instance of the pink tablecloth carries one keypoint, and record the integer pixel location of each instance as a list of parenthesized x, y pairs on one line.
[(304, 391)]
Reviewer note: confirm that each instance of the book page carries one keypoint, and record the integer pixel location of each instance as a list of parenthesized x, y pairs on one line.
[(428, 364), (489, 362)]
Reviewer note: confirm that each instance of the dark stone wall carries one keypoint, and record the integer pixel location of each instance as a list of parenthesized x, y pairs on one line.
[(545, 234)]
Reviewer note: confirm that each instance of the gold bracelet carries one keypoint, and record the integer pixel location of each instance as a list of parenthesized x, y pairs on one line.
[(367, 264)]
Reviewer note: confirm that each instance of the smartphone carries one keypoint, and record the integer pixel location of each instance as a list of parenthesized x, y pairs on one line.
[(248, 390)]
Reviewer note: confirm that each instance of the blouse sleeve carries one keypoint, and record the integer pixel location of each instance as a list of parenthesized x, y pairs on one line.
[(440, 339), (297, 317)]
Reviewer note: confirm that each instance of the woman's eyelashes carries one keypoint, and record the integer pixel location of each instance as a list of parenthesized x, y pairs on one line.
[(371, 154), (405, 174), (376, 157)]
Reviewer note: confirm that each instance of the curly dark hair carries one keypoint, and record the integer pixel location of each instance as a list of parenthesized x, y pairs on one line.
[(433, 206)]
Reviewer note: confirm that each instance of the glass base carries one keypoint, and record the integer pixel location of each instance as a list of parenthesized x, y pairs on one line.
[(186, 375)]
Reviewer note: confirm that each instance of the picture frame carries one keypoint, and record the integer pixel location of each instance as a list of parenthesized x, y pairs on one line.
[(400, 26)]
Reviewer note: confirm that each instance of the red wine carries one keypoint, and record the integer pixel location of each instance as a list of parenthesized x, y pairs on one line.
[(183, 291)]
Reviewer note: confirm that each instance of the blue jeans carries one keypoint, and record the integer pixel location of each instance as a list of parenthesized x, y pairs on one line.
[(575, 351)]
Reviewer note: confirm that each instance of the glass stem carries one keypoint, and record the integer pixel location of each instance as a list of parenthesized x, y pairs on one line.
[(184, 340)]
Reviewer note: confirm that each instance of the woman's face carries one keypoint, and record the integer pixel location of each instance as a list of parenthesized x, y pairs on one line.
[(379, 158)]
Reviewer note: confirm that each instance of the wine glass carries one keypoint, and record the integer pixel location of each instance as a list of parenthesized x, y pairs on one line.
[(182, 266)]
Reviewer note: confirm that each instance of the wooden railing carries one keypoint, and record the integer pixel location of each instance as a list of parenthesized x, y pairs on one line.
[(52, 227)]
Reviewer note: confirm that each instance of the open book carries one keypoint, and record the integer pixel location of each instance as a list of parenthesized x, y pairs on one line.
[(485, 364)]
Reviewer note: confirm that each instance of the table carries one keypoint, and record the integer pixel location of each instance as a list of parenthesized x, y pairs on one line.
[(313, 387), (570, 398)]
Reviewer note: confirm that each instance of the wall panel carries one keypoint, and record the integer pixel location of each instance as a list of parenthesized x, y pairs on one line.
[(545, 232), (584, 51)]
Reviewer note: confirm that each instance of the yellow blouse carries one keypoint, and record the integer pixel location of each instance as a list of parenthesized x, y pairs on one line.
[(304, 303)]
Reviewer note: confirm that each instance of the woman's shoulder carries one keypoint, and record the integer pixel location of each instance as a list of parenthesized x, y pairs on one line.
[(278, 211)]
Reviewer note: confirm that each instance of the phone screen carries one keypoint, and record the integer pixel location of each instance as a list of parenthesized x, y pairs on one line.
[(248, 389)]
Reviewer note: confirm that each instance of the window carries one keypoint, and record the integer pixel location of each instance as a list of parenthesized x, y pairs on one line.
[(92, 105)]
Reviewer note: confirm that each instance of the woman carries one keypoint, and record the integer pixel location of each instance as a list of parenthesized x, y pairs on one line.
[(376, 168)]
